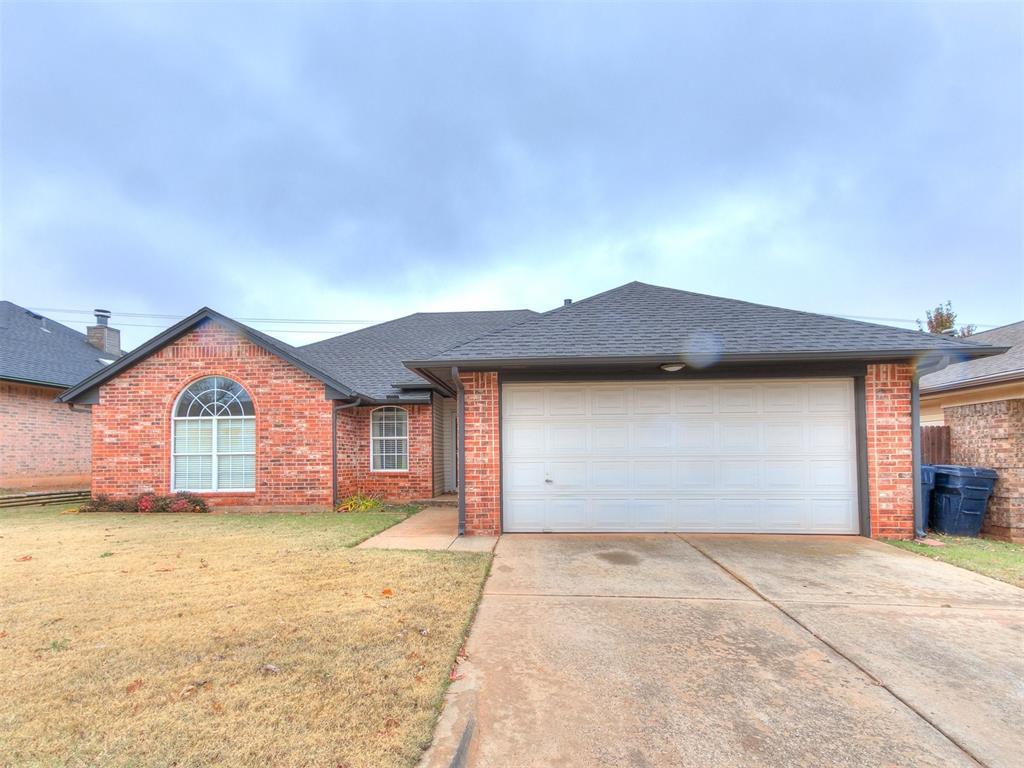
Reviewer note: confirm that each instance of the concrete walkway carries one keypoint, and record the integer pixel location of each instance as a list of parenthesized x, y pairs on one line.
[(430, 528), (669, 650)]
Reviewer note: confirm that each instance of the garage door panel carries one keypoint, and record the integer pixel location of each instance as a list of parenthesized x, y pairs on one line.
[(567, 402), (734, 474), (568, 438), (739, 436), (610, 475), (785, 436), (608, 401), (653, 400), (695, 475), (648, 475), (695, 398), (610, 438), (782, 473), (742, 456), (784, 398), (696, 436), (737, 398), (653, 435), (652, 514)]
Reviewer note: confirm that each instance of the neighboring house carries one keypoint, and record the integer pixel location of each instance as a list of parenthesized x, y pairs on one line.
[(638, 409), (982, 403), (46, 444)]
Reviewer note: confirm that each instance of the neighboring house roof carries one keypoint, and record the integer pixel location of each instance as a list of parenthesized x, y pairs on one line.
[(370, 360), (1008, 366), (365, 363), (37, 350), (638, 322)]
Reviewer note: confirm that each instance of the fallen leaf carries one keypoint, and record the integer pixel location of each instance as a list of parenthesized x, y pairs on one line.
[(187, 691), (270, 669), (23, 559), (2, 635), (134, 685), (164, 570), (203, 563), (387, 592)]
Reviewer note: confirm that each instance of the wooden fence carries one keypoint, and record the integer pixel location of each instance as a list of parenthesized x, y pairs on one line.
[(935, 445)]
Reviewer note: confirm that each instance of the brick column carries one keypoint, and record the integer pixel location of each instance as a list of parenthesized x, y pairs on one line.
[(481, 473), (890, 454)]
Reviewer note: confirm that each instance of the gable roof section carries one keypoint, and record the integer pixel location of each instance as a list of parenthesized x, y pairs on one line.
[(371, 359), (37, 350), (641, 322), (285, 351), (1008, 366)]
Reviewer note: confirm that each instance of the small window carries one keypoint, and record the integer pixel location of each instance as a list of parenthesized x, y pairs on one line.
[(389, 439), (213, 433)]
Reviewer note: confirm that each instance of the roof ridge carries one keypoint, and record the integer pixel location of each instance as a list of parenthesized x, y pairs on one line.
[(536, 316), (804, 312)]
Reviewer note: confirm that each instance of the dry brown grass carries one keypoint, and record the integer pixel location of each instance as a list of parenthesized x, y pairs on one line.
[(156, 653)]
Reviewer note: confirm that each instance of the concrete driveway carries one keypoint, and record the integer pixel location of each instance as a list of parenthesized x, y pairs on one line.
[(689, 650)]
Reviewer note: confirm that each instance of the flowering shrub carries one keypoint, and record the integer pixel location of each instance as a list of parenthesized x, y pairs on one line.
[(148, 502)]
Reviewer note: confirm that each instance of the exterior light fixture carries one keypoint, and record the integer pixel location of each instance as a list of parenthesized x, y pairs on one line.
[(672, 367)]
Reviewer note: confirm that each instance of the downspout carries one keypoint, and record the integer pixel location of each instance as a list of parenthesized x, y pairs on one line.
[(334, 447), (920, 514), (460, 449)]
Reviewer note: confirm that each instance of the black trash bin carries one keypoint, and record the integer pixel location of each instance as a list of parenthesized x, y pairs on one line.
[(960, 498), (927, 486)]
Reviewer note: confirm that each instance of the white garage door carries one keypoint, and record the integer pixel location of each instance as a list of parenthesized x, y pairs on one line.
[(765, 456)]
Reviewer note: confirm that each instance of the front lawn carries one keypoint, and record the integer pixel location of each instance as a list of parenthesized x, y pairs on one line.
[(998, 559), (234, 640)]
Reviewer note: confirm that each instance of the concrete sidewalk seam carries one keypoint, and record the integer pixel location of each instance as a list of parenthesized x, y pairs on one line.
[(837, 651)]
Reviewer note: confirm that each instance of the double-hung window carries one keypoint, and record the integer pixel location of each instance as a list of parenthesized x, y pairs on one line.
[(389, 439), (213, 433)]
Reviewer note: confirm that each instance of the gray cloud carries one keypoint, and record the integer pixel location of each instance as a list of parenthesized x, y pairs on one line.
[(368, 160)]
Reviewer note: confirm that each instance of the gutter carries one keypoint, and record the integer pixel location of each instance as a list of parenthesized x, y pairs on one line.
[(874, 356), (978, 381), (920, 513), (334, 447), (460, 476)]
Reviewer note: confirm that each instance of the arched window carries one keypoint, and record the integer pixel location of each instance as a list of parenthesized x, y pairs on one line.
[(389, 439), (213, 438)]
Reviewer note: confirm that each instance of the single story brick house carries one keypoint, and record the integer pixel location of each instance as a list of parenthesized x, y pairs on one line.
[(982, 403), (44, 444), (639, 409)]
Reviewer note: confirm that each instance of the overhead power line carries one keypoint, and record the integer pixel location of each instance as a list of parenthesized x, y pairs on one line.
[(325, 321)]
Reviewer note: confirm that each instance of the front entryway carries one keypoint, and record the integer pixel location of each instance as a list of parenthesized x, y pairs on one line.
[(771, 455)]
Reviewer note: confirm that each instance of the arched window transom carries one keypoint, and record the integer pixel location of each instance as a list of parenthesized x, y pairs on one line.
[(389, 439), (213, 438)]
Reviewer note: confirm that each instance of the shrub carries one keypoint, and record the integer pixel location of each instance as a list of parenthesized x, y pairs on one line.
[(148, 502), (360, 503)]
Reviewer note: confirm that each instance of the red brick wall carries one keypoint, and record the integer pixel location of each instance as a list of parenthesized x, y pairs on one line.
[(132, 421), (44, 444), (890, 450), (354, 473), (992, 435), (482, 471)]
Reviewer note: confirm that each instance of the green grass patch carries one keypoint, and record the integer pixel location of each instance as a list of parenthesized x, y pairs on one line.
[(997, 559)]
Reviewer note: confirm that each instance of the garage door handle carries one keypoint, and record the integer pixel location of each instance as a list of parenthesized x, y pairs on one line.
[(548, 480)]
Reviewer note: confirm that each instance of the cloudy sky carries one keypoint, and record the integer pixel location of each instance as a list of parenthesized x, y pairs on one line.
[(356, 163)]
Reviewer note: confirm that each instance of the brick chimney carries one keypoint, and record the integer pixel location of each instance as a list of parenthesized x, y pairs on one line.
[(102, 336)]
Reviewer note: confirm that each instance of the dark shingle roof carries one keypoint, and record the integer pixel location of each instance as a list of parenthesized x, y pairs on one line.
[(1007, 366), (370, 360), (638, 320), (36, 349), (365, 363)]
